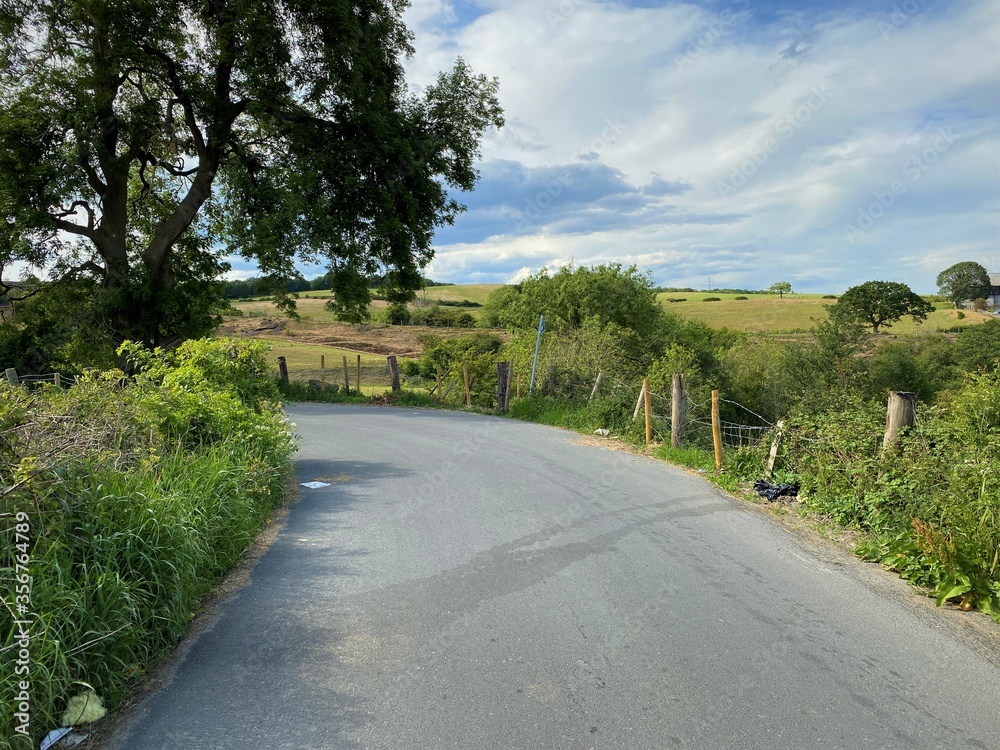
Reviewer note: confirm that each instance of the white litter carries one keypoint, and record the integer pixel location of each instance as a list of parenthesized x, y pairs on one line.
[(315, 485), (63, 737)]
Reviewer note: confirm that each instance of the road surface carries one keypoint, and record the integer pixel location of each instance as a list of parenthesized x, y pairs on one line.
[(470, 582)]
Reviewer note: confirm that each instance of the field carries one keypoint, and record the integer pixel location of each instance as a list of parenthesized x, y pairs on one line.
[(794, 313), (760, 312)]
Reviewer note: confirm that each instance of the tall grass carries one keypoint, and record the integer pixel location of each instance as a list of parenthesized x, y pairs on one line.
[(137, 501)]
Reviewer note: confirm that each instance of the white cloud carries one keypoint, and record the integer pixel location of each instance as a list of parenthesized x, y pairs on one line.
[(698, 97)]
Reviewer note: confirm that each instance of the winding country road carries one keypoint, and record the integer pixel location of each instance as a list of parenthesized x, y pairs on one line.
[(471, 582)]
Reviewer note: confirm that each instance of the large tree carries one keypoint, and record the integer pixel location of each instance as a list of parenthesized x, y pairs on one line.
[(139, 139), (879, 304), (964, 281)]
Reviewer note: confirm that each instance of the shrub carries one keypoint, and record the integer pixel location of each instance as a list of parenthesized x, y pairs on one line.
[(741, 297), (712, 299), (829, 296)]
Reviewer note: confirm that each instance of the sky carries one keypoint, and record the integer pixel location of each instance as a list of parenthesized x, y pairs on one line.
[(727, 143)]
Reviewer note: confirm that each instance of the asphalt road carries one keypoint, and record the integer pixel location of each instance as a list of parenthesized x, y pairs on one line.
[(469, 582)]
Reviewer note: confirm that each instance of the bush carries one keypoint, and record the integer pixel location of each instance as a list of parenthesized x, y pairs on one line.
[(712, 299), (829, 296), (137, 495), (741, 297)]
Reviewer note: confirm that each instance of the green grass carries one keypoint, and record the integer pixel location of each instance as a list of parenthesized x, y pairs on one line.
[(472, 292), (794, 313)]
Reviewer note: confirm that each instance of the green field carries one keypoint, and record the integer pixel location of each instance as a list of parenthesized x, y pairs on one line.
[(794, 313), (760, 312), (471, 292)]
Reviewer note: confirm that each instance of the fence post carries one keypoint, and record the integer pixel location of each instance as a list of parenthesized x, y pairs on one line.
[(597, 384), (358, 383), (347, 379), (501, 385), (57, 379), (282, 369), (534, 363), (519, 385), (775, 444), (901, 412), (648, 405), (716, 431), (12, 376), (393, 371), (638, 404), (678, 411), (510, 385), (437, 388), (465, 378), (322, 371)]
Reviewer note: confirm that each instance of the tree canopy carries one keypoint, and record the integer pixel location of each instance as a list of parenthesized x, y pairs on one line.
[(964, 281), (879, 304), (781, 288), (141, 141), (609, 293)]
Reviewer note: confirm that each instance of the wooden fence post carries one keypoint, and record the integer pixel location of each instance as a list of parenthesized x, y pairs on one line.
[(639, 403), (648, 405), (775, 444), (12, 376), (678, 411), (322, 371), (901, 412), (347, 379), (597, 384), (437, 388), (501, 385), (393, 371), (519, 385), (468, 390), (57, 379), (358, 383), (510, 385), (716, 430), (283, 369)]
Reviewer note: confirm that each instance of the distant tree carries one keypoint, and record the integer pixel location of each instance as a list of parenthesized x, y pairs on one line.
[(781, 288), (964, 281), (879, 304)]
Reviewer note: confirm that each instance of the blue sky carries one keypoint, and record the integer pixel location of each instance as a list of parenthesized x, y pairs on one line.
[(822, 143)]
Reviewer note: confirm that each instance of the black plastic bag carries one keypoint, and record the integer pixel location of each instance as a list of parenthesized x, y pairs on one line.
[(773, 491)]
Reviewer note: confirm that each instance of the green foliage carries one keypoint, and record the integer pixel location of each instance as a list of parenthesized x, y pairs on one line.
[(137, 500), (781, 288), (440, 316), (154, 134), (712, 299), (608, 293), (964, 281), (978, 347), (477, 353), (879, 304)]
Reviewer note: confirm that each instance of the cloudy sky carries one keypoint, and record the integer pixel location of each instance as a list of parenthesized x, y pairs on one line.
[(730, 143)]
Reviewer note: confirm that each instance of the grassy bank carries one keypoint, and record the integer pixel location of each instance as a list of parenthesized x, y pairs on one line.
[(125, 500)]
